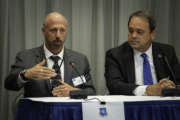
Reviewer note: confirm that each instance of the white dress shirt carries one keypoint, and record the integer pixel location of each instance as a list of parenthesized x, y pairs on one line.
[(138, 60), (50, 62)]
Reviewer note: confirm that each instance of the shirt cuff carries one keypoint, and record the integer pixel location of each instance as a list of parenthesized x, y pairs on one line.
[(20, 80), (140, 90)]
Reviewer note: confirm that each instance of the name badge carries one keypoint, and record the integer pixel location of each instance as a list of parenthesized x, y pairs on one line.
[(78, 81)]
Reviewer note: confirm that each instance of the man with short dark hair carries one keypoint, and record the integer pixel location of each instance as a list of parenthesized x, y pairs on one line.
[(49, 70), (138, 67)]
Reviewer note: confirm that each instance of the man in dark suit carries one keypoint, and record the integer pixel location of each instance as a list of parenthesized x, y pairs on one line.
[(51, 69), (140, 66)]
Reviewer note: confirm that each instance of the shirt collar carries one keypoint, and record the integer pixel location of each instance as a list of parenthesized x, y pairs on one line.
[(148, 52), (49, 53)]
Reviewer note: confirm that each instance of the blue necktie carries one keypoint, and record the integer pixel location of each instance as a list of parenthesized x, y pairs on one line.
[(147, 71)]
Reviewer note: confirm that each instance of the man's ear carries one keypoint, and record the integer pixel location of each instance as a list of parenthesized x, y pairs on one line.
[(43, 30), (153, 34)]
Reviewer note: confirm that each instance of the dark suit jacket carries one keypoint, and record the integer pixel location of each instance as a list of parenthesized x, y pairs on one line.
[(41, 88), (120, 68)]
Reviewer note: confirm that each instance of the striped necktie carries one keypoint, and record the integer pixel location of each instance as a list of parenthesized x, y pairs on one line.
[(55, 80)]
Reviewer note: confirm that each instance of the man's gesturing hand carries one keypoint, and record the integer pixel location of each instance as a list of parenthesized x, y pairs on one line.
[(40, 72)]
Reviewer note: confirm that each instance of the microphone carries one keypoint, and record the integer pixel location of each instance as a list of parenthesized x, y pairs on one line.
[(170, 91), (78, 94)]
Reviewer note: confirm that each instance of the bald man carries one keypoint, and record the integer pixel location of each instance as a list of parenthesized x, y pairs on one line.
[(51, 69)]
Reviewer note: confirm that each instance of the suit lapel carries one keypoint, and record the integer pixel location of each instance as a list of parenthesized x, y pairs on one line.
[(40, 55), (130, 65), (67, 67), (158, 62)]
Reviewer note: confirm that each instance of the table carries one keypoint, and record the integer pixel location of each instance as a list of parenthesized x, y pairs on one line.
[(115, 108)]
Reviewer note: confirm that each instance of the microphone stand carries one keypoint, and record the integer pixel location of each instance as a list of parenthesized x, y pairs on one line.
[(171, 91), (78, 94)]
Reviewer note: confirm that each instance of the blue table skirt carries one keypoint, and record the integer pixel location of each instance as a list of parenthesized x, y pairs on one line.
[(30, 110), (152, 110)]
